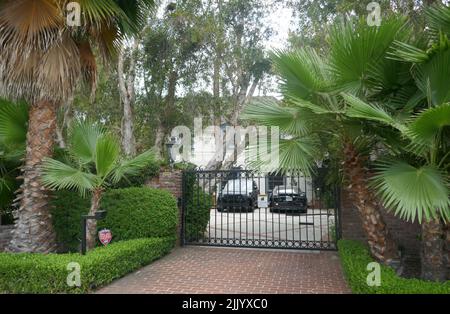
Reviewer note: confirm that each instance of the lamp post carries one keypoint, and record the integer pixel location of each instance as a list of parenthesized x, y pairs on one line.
[(100, 215), (169, 146)]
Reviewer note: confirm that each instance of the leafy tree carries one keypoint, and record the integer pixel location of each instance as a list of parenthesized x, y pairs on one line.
[(171, 64), (315, 16), (91, 165)]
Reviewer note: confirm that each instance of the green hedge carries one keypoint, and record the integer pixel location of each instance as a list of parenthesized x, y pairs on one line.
[(139, 213), (355, 257), (198, 206), (67, 209), (132, 213), (38, 273)]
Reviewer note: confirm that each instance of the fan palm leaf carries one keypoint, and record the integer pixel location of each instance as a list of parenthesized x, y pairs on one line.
[(413, 192), (426, 126), (59, 176), (303, 74), (107, 151), (432, 77), (13, 123), (132, 166), (438, 18), (356, 49), (83, 139), (269, 113)]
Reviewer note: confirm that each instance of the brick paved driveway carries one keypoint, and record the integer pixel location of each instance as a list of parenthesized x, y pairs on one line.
[(196, 270)]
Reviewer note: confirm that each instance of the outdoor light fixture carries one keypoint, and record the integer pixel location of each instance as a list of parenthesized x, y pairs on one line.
[(99, 215), (169, 146)]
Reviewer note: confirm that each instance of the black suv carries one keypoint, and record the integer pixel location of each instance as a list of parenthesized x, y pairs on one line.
[(238, 195), (288, 199)]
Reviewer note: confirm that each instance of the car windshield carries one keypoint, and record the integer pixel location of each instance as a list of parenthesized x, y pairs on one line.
[(286, 190), (238, 187)]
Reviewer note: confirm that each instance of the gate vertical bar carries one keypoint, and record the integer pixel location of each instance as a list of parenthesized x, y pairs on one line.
[(183, 210)]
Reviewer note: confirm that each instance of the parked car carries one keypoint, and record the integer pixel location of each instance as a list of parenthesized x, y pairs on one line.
[(238, 195), (288, 199)]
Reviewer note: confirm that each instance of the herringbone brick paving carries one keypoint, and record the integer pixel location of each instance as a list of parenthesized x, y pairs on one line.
[(205, 270)]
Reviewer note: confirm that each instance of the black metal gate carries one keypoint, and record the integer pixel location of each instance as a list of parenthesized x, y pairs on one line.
[(241, 208)]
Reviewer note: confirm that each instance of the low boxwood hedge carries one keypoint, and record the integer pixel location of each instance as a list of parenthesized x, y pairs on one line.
[(38, 273), (355, 257), (133, 213)]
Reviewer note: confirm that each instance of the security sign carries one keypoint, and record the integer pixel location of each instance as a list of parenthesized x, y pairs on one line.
[(105, 236)]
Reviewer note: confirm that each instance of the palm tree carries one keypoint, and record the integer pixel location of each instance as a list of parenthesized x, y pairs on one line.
[(414, 183), (313, 120), (92, 163), (42, 60)]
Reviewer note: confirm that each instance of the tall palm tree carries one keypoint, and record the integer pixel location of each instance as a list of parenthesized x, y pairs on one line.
[(42, 60), (313, 114), (415, 182), (92, 163)]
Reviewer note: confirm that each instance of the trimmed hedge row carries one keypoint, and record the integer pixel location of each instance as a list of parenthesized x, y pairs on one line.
[(355, 257), (132, 213), (135, 213), (38, 273)]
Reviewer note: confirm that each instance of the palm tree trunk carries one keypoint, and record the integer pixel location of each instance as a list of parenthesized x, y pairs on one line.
[(91, 230), (33, 226), (434, 266), (447, 248), (381, 244)]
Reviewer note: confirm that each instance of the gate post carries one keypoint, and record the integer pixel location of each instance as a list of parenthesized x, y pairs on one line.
[(171, 180)]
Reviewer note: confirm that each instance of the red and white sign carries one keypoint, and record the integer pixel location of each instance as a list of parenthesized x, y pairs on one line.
[(105, 236)]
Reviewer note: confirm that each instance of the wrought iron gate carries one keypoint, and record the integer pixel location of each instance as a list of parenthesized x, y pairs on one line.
[(244, 209)]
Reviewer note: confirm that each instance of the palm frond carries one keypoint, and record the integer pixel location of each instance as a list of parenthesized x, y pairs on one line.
[(425, 127), (438, 20), (290, 155), (136, 13), (360, 109), (83, 140), (95, 12), (355, 48), (303, 74), (59, 176), (13, 123), (133, 166), (408, 53), (270, 113), (413, 192), (432, 77), (107, 153)]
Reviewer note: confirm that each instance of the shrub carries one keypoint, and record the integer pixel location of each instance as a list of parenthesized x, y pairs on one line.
[(139, 213), (197, 208), (132, 213), (355, 257), (38, 273), (67, 209)]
